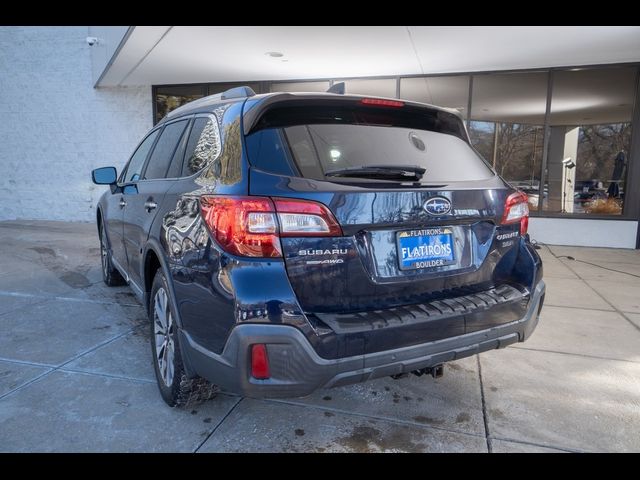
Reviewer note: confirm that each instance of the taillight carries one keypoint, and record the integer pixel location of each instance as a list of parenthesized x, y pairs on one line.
[(243, 226), (252, 226), (516, 210), (303, 218), (259, 362), (382, 102)]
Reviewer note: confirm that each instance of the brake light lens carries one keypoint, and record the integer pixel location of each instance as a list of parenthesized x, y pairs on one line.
[(244, 226), (259, 362), (381, 102), (516, 210), (252, 226)]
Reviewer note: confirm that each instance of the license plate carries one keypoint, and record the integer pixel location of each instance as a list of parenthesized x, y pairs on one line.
[(426, 248)]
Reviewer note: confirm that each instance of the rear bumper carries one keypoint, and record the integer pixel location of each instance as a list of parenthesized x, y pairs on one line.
[(297, 370)]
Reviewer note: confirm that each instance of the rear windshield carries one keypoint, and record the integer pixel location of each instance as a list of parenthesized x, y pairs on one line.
[(308, 141)]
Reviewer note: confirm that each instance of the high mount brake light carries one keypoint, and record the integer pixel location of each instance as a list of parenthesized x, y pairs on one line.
[(253, 226), (381, 102), (516, 209)]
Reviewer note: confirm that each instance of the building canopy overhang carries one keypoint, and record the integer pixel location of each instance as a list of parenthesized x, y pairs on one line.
[(162, 55)]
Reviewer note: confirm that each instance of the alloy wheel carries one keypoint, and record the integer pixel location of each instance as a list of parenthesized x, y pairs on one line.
[(103, 254), (163, 330)]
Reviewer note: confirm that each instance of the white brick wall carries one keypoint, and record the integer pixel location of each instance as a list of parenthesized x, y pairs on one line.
[(55, 127)]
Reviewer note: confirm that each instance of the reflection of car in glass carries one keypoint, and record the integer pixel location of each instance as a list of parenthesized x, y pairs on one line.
[(286, 242), (591, 193), (582, 198)]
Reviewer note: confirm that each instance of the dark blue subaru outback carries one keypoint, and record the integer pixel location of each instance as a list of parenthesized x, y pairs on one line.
[(288, 242)]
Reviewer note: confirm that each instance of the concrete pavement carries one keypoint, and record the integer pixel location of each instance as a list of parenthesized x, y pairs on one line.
[(76, 372)]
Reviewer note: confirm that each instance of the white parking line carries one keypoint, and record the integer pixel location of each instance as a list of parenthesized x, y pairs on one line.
[(67, 299)]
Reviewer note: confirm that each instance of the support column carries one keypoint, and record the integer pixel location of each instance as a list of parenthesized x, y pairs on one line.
[(563, 143)]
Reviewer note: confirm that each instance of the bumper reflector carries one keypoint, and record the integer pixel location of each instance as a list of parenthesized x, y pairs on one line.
[(259, 362)]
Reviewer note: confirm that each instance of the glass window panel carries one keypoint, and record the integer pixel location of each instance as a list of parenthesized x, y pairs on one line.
[(325, 138), (385, 87), (300, 87), (175, 167), (590, 133), (266, 152), (203, 145), (164, 150), (170, 98), (450, 92), (510, 97), (483, 138), (134, 167), (507, 126)]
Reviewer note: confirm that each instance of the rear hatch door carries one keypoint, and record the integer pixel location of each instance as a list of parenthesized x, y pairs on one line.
[(406, 237)]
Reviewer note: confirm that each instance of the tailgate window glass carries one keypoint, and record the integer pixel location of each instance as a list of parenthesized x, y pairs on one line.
[(316, 140), (269, 152)]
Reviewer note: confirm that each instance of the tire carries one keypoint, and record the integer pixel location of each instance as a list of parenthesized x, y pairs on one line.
[(110, 274), (176, 388)]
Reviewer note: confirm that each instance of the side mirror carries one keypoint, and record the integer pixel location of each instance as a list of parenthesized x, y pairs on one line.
[(104, 176)]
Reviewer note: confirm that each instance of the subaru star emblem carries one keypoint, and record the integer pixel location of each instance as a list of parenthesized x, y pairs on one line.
[(437, 206)]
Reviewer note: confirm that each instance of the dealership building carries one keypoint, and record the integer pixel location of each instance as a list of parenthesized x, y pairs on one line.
[(555, 110)]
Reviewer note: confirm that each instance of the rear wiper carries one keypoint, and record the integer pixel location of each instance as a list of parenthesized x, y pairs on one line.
[(390, 172)]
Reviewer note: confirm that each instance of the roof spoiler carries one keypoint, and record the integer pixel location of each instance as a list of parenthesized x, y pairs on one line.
[(252, 115), (236, 92)]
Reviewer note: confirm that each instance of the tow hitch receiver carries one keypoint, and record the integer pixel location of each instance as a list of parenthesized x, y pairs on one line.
[(436, 371)]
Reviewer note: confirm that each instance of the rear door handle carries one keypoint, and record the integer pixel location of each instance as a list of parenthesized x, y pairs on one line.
[(150, 205), (122, 203)]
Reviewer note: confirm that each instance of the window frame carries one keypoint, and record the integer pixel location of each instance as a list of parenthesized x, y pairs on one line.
[(191, 120)]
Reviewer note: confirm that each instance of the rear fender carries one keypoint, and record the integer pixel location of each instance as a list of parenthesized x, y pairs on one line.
[(154, 246), (527, 268)]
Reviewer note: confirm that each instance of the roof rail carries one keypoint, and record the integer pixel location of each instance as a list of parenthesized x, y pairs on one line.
[(236, 92), (337, 88)]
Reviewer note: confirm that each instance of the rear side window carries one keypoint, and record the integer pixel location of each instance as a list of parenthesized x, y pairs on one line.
[(164, 150), (134, 168), (203, 145), (315, 140)]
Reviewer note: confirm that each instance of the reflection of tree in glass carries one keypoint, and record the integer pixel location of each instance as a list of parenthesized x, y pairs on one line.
[(227, 168), (389, 266), (514, 149), (516, 152), (519, 151), (598, 146), (166, 103), (207, 149), (481, 135)]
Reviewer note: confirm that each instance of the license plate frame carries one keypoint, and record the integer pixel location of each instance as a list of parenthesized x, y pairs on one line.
[(431, 244)]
